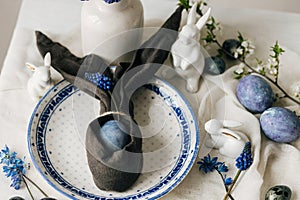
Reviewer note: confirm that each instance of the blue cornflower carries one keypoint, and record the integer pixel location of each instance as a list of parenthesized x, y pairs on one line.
[(244, 161), (6, 156), (13, 167), (111, 1), (222, 168), (103, 82), (227, 181), (20, 165), (207, 164), (15, 170), (16, 181)]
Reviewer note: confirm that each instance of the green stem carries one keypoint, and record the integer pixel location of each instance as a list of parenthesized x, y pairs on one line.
[(226, 188), (27, 187), (233, 183), (33, 183), (277, 68), (254, 71)]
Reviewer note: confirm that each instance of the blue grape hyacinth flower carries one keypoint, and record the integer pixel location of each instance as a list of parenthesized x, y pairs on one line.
[(244, 161), (103, 82)]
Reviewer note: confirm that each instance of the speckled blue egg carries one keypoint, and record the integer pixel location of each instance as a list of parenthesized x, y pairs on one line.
[(280, 124), (255, 94), (113, 135)]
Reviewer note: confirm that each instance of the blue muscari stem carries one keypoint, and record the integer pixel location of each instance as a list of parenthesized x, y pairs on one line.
[(15, 168), (225, 180), (208, 164), (102, 81), (243, 162)]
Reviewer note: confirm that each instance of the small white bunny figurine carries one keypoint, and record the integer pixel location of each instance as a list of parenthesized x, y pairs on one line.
[(230, 143), (188, 60), (41, 81)]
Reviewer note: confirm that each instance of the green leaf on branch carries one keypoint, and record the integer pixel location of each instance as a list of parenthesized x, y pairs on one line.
[(185, 4), (277, 50), (220, 53), (240, 37), (210, 38)]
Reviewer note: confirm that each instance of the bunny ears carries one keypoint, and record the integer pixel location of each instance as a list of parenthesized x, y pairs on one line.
[(47, 62), (214, 124), (193, 16)]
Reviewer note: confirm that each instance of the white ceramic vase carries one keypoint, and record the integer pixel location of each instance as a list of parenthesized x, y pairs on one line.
[(111, 30)]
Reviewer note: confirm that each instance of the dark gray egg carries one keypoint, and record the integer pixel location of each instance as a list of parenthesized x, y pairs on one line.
[(279, 192), (16, 198), (214, 65), (230, 45)]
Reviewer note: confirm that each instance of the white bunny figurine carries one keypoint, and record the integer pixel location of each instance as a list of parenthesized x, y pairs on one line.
[(230, 143), (41, 81), (188, 60)]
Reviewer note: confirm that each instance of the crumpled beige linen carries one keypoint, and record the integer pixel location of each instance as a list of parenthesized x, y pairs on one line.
[(274, 163)]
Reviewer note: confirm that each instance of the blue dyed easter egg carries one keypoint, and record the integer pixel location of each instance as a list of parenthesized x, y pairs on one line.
[(113, 135), (230, 46), (255, 94), (280, 124), (214, 65)]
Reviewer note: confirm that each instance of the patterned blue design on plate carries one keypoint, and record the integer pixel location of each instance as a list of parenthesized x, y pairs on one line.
[(69, 90)]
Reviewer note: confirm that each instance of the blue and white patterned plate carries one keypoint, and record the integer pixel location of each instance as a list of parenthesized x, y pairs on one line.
[(170, 141)]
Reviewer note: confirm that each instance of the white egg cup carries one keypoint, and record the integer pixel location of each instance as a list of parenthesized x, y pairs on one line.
[(229, 143)]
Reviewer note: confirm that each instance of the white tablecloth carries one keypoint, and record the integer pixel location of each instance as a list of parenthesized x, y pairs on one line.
[(273, 163)]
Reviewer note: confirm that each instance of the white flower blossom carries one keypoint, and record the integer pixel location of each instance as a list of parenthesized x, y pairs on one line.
[(273, 71), (271, 66), (248, 47), (237, 52), (296, 90), (235, 55), (240, 69), (272, 62), (245, 44), (250, 51), (251, 45), (272, 54), (259, 67)]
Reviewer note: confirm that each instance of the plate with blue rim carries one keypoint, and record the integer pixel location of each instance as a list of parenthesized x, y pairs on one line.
[(169, 130)]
